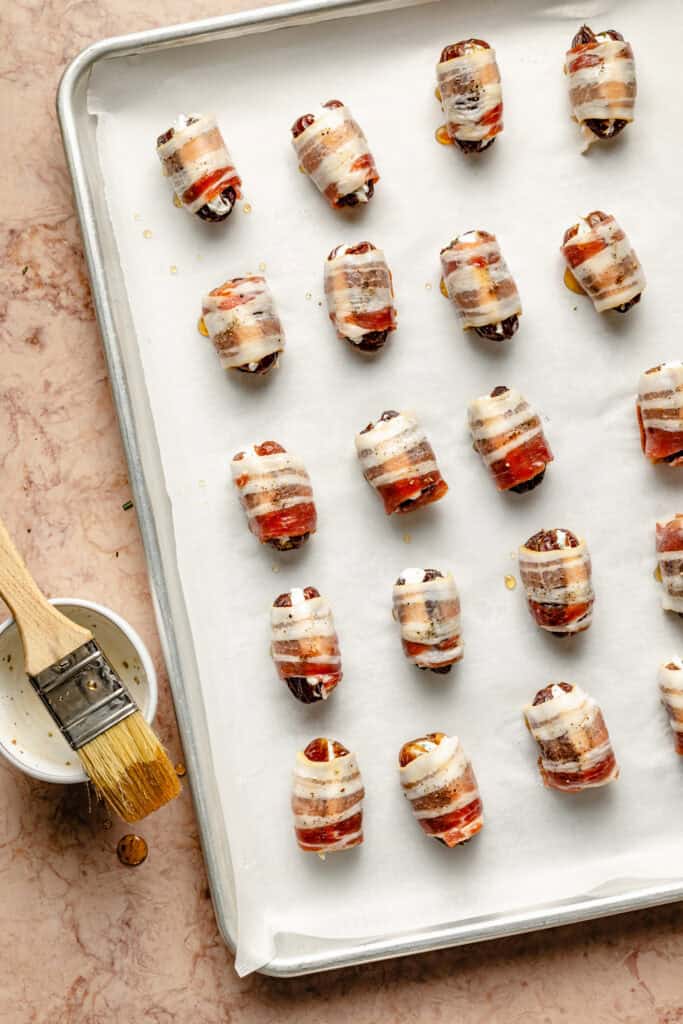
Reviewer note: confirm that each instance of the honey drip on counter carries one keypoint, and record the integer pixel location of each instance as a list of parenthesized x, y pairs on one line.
[(443, 289), (571, 283), (177, 201), (180, 770), (132, 850), (510, 582), (441, 135), (658, 574), (202, 328), (437, 93)]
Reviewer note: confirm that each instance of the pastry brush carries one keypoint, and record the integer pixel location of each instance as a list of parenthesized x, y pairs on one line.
[(85, 697)]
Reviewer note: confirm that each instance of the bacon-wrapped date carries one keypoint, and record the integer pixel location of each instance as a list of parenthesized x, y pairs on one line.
[(660, 413), (243, 324), (439, 782), (480, 285), (399, 462), (601, 258), (427, 607), (555, 567), (669, 542), (576, 752), (471, 98), (360, 295), (601, 74), (276, 495), (304, 646), (334, 153), (196, 160), (507, 433), (327, 799), (671, 693)]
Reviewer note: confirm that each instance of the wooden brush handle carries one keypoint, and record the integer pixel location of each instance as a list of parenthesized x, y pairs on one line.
[(46, 634)]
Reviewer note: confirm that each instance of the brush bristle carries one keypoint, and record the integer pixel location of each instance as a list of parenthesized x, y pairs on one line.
[(129, 767)]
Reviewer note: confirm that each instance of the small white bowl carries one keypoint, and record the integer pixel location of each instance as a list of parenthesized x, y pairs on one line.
[(28, 736)]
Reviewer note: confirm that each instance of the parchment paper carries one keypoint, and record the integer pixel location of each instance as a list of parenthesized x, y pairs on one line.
[(580, 368)]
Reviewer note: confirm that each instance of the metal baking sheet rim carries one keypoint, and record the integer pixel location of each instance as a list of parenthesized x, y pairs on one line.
[(296, 955)]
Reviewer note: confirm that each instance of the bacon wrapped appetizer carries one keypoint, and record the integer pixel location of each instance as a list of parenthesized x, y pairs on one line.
[(507, 433), (576, 752), (671, 691), (660, 413), (327, 800), (439, 782), (334, 153), (275, 492), (243, 325), (603, 263), (471, 98), (305, 648), (196, 160), (480, 285), (669, 541), (399, 462), (427, 607), (360, 295), (601, 74), (555, 567)]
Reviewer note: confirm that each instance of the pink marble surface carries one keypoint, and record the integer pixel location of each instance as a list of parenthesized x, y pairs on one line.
[(83, 939)]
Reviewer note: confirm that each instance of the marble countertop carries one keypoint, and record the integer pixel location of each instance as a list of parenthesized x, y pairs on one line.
[(84, 939)]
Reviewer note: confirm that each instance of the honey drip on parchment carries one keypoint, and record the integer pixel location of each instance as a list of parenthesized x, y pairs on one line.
[(571, 283), (658, 574), (202, 328), (437, 93), (510, 582), (441, 135), (443, 289), (177, 201)]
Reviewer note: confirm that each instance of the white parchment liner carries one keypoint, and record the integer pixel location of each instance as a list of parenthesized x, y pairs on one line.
[(580, 369)]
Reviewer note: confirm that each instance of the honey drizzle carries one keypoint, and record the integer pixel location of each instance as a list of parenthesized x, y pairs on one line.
[(132, 850)]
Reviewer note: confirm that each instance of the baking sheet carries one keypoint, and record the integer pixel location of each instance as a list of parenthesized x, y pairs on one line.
[(580, 369)]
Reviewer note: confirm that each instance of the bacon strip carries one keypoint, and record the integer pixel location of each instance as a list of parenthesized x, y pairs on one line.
[(305, 648), (508, 435), (660, 413), (360, 294), (196, 160), (275, 492), (243, 324), (333, 151), (669, 543), (478, 280), (399, 462), (327, 802), (602, 260), (557, 581), (427, 606), (601, 75), (671, 691), (576, 752), (471, 95), (443, 793)]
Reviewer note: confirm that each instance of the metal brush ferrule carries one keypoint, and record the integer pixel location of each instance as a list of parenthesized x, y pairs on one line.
[(83, 694)]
